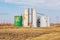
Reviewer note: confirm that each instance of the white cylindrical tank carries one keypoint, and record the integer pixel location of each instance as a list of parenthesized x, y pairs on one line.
[(34, 20), (44, 21), (25, 18), (48, 21), (30, 18)]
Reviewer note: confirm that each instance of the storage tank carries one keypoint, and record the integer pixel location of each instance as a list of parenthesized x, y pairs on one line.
[(30, 17), (25, 18), (34, 20), (17, 21), (48, 21), (44, 21)]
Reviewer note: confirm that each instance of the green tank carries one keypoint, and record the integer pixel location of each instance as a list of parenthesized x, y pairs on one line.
[(17, 21)]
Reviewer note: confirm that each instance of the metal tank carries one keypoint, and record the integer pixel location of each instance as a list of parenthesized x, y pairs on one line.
[(25, 18), (34, 18), (17, 21), (44, 21), (48, 21)]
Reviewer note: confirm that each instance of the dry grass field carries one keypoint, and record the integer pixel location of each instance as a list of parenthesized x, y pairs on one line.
[(8, 32)]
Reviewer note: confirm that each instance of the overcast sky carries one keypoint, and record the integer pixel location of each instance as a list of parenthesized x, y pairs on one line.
[(10, 8)]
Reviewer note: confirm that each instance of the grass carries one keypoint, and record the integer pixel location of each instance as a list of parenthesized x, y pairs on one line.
[(30, 34), (21, 33), (50, 36)]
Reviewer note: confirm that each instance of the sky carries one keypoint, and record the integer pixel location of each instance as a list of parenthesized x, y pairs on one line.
[(11, 8)]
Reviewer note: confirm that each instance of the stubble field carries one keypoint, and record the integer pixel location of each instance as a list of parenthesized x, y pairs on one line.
[(29, 33), (8, 32)]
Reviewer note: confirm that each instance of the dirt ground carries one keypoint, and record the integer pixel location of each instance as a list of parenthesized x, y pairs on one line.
[(30, 34)]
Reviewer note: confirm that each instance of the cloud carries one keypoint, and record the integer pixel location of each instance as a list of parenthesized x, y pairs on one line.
[(46, 3), (30, 2), (52, 3), (27, 3)]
